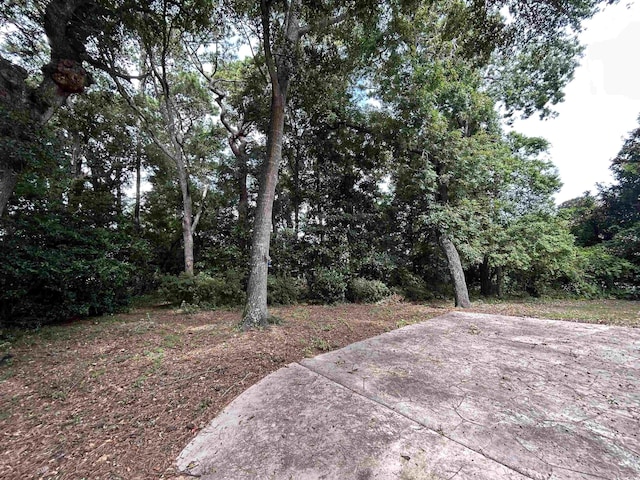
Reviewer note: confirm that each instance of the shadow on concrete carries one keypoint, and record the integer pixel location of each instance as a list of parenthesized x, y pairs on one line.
[(461, 396)]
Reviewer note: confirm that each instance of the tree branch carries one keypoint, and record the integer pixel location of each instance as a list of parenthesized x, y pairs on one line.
[(322, 24), (266, 42), (196, 220)]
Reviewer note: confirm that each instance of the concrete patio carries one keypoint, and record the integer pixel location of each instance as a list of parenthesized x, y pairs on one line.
[(464, 396)]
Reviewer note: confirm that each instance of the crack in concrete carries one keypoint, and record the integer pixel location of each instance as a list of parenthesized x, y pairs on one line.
[(413, 420)]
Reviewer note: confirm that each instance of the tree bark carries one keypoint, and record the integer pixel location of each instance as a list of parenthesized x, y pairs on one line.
[(136, 210), (256, 312), (457, 273), (486, 286), (187, 213), (281, 69), (8, 181), (281, 66)]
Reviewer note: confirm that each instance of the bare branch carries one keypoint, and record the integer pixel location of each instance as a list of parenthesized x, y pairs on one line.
[(322, 24), (196, 220)]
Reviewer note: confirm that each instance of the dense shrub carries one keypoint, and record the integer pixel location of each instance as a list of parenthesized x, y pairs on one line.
[(411, 286), (362, 290), (54, 268), (327, 286), (600, 273), (284, 290), (204, 290), (377, 266)]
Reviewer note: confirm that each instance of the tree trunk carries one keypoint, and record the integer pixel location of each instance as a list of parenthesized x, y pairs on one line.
[(499, 281), (486, 287), (28, 107), (8, 180), (187, 214), (243, 203), (136, 210), (457, 274), (256, 313)]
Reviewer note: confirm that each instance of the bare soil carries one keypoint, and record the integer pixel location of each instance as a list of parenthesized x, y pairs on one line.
[(119, 397)]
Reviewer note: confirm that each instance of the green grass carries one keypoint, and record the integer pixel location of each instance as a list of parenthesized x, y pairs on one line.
[(604, 311)]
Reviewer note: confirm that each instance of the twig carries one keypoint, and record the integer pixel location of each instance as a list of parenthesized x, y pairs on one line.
[(229, 389)]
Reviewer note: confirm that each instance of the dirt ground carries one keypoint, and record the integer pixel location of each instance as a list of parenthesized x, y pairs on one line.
[(119, 397)]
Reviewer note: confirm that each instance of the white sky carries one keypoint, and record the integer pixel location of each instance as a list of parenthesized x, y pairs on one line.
[(601, 104)]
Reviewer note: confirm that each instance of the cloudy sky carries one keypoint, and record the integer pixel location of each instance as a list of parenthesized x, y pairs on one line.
[(601, 105)]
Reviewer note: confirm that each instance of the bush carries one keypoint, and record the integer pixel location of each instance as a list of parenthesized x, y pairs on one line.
[(204, 290), (601, 273), (327, 286), (362, 290), (411, 286), (53, 270), (284, 290)]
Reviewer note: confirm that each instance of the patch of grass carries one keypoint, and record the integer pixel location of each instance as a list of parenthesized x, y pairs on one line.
[(171, 340), (321, 344), (7, 372), (157, 357), (275, 320), (60, 395), (203, 405), (98, 372), (610, 312)]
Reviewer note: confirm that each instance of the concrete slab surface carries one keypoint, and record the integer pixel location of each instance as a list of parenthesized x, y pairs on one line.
[(464, 396)]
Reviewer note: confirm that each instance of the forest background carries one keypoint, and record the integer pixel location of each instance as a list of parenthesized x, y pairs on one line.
[(359, 151)]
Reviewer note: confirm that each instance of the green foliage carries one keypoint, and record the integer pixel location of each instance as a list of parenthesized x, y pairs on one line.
[(203, 290), (361, 290), (55, 268), (538, 254), (327, 286), (603, 273), (284, 290), (411, 286)]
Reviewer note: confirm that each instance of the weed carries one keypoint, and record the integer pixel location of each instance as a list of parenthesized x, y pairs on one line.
[(98, 372), (59, 395), (321, 344), (274, 320), (171, 340), (403, 322), (204, 404)]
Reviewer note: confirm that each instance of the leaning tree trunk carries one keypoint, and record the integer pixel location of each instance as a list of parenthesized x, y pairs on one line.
[(281, 66), (256, 313), (457, 273)]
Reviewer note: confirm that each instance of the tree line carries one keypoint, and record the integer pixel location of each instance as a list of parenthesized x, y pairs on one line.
[(265, 152)]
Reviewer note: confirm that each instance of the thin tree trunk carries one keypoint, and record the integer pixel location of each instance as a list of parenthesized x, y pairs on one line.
[(243, 203), (256, 313), (136, 210), (457, 273), (187, 214), (119, 192)]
